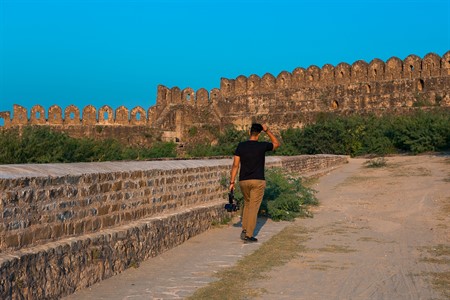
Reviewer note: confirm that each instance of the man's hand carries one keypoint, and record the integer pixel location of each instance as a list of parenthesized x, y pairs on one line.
[(273, 139)]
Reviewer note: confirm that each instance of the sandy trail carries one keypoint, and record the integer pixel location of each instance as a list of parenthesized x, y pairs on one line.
[(379, 233)]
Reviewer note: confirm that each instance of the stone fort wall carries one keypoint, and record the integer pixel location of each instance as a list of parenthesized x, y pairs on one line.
[(65, 227), (290, 99)]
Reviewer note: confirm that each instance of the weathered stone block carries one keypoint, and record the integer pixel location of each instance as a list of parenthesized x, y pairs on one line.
[(103, 210), (12, 241)]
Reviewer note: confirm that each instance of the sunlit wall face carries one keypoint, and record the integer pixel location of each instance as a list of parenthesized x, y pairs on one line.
[(117, 52)]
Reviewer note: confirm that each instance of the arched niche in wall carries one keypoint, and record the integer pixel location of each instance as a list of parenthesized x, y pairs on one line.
[(122, 116), (5, 119), (327, 75), (298, 77), (106, 115), (37, 116), (20, 115), (268, 83), (202, 97), (412, 67), (55, 115), (394, 68), (342, 73), (240, 85), (163, 95), (312, 76), (359, 71), (284, 80), (253, 84), (215, 95), (188, 96), (334, 105), (138, 116), (431, 65), (420, 84), (176, 95), (376, 70), (226, 87), (445, 64), (89, 116), (72, 115)]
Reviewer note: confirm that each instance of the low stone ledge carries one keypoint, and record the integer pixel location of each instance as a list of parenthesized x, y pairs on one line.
[(50, 202), (67, 263), (60, 268)]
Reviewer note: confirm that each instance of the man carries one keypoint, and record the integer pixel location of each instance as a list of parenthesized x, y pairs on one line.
[(250, 155)]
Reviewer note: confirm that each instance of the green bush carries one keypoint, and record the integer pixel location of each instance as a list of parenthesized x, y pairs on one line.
[(42, 145), (360, 135), (422, 132), (201, 150), (349, 135), (285, 197)]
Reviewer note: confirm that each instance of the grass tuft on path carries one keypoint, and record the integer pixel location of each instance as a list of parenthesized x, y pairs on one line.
[(233, 281)]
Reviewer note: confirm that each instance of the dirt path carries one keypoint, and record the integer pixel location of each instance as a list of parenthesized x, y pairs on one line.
[(379, 233)]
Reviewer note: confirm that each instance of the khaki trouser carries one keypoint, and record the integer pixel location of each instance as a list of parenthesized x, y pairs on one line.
[(253, 191)]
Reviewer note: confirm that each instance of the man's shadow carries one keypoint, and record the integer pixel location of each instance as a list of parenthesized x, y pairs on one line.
[(259, 224)]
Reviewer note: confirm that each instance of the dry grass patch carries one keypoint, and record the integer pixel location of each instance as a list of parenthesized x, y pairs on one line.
[(234, 282), (438, 254), (411, 171), (441, 282), (446, 206), (336, 249), (400, 169), (321, 267), (357, 179), (369, 239), (439, 250), (310, 182), (378, 162)]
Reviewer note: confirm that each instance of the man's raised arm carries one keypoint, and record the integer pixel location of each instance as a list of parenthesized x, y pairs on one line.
[(272, 137)]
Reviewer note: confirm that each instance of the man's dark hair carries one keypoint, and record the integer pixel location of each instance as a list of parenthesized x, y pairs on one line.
[(256, 129)]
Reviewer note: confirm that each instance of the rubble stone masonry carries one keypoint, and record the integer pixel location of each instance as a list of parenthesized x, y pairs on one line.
[(67, 226)]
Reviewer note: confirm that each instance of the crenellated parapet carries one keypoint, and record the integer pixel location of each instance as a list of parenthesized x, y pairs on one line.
[(376, 71), (73, 116), (289, 99)]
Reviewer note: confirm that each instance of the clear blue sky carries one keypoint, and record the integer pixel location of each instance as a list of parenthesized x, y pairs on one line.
[(116, 52)]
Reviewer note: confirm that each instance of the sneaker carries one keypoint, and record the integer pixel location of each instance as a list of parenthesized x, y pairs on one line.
[(243, 233), (250, 239)]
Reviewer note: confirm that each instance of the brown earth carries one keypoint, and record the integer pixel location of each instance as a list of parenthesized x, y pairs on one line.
[(379, 233)]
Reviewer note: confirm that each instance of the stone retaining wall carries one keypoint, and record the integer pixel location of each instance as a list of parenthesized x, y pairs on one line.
[(60, 268), (92, 197), (66, 226), (312, 165)]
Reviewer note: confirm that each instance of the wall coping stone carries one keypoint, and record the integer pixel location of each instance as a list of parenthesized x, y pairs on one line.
[(12, 171)]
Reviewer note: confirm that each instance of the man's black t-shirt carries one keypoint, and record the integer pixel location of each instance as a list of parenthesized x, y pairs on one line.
[(252, 154)]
